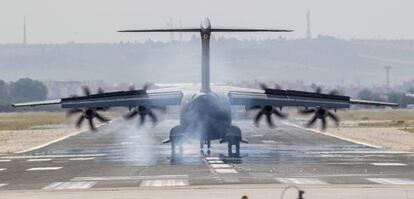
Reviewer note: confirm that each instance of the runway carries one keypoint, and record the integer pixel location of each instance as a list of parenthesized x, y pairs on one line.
[(124, 156)]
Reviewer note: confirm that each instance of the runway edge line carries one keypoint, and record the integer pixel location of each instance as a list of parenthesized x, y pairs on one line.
[(335, 136)]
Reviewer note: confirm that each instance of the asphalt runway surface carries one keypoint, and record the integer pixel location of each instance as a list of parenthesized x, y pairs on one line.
[(120, 155)]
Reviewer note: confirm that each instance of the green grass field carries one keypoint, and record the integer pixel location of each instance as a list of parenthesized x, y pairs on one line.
[(29, 120)]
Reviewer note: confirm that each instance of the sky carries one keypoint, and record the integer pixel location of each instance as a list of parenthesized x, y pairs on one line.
[(90, 21)]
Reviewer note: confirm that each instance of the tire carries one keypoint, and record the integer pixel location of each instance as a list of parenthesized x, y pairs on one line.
[(229, 149)]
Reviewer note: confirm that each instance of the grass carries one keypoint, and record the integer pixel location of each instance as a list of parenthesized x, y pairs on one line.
[(29, 120), (377, 115)]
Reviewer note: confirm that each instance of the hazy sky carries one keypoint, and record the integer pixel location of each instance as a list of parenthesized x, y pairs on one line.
[(61, 21)]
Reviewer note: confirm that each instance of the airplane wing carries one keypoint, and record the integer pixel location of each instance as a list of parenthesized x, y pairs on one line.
[(293, 98), (131, 98)]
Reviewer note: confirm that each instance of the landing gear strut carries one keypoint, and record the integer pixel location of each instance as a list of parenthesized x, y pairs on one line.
[(208, 143), (234, 141), (176, 138)]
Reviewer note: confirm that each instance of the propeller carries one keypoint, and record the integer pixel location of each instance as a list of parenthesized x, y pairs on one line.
[(267, 111), (321, 114), (264, 86), (144, 111), (88, 113)]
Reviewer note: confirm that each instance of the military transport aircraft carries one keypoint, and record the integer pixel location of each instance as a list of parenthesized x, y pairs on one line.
[(207, 116)]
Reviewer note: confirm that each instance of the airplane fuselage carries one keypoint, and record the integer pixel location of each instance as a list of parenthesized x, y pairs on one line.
[(206, 117)]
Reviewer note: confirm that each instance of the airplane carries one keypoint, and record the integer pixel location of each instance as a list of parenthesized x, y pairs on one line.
[(207, 115)]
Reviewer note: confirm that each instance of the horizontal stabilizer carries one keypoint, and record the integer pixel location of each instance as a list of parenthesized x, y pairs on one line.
[(165, 30), (247, 30), (212, 30)]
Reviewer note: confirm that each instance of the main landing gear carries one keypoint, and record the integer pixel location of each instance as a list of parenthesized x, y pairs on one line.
[(233, 138), (205, 142)]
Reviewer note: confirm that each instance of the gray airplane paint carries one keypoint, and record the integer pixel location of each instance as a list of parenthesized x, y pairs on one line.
[(205, 55)]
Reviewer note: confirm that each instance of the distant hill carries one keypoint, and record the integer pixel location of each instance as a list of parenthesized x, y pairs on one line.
[(324, 60)]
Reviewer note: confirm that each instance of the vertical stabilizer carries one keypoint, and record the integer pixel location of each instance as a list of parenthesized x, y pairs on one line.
[(205, 56)]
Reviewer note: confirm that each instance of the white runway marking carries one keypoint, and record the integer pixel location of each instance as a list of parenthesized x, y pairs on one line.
[(164, 183), (3, 169), (335, 136), (79, 159), (225, 170), (388, 164), (215, 161), (55, 156), (114, 178), (4, 160), (51, 142), (70, 185), (395, 181), (215, 166), (39, 160), (360, 152), (43, 168), (300, 181), (268, 141), (212, 158), (127, 143), (3, 184)]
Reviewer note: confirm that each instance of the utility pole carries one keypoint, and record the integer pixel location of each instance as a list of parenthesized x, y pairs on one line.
[(308, 26), (24, 31), (387, 68)]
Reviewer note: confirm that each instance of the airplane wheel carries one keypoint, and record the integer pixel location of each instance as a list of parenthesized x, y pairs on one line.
[(229, 149), (237, 148)]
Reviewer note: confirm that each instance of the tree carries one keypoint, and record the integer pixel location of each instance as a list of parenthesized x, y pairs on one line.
[(28, 89), (3, 90), (365, 94)]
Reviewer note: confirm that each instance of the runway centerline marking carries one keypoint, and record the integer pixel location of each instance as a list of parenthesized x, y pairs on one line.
[(3, 169), (43, 168), (69, 185), (39, 160), (300, 181), (3, 184), (215, 161), (388, 164), (212, 158), (216, 166), (225, 170), (164, 183), (5, 160), (394, 181)]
